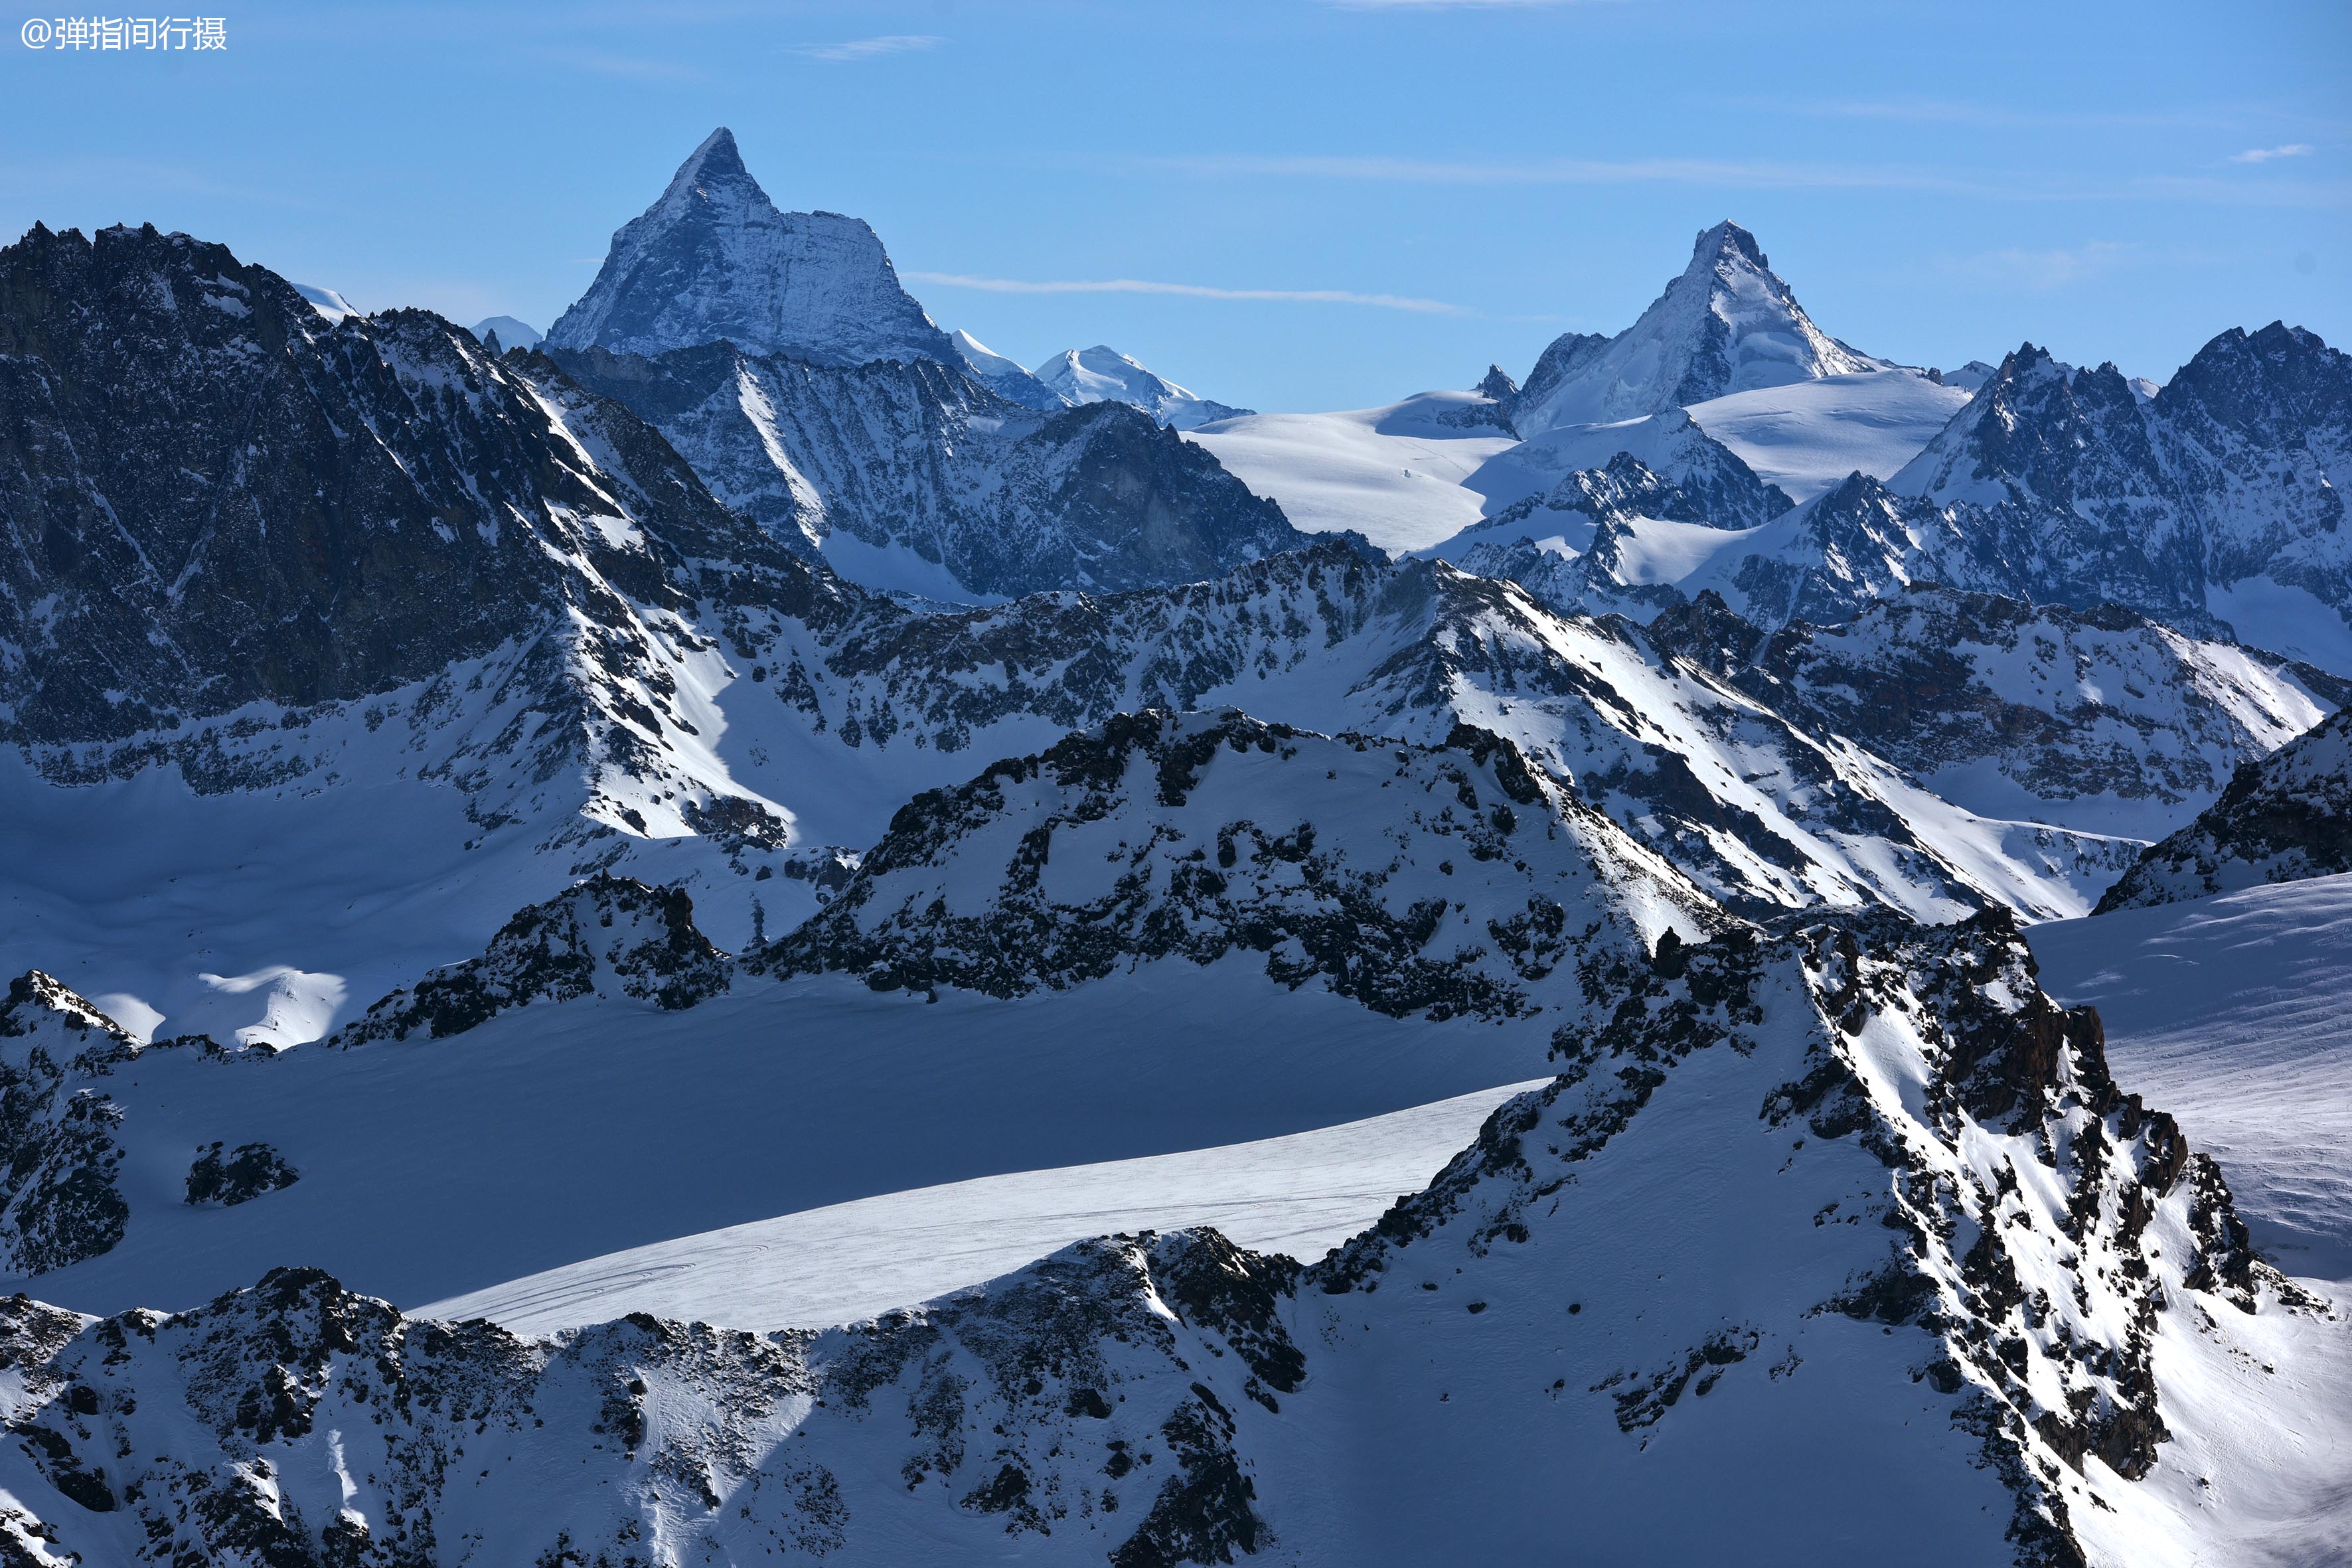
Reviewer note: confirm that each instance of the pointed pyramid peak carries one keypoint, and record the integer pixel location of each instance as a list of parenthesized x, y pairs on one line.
[(717, 155), (1725, 240), (714, 258), (717, 162)]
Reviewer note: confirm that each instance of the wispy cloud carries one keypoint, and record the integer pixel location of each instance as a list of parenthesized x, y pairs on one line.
[(1945, 111), (1561, 170), (2265, 154), (2004, 186), (2041, 270), (868, 48), (1190, 291)]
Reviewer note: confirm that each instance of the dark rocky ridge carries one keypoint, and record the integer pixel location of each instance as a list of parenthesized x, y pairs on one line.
[(606, 935), (1153, 838)]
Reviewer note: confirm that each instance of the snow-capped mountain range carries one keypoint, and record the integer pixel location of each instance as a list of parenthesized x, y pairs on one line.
[(765, 758)]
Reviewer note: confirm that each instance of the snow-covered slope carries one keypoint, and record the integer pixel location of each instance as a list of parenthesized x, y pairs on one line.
[(713, 259), (1009, 379), (2237, 1012), (1807, 436), (607, 1121), (1103, 374), (1855, 1225), (2102, 720), (328, 302), (2284, 817), (1727, 324), (1396, 474), (1300, 1196)]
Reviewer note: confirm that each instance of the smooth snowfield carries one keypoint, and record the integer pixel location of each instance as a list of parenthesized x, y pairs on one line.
[(1807, 436), (1300, 1195), (2235, 1014), (557, 1133), (1393, 474)]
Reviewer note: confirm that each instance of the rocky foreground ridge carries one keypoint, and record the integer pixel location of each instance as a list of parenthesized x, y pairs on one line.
[(1989, 1263)]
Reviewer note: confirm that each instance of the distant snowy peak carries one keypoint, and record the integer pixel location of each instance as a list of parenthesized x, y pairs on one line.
[(1009, 379), (328, 302), (1729, 323), (1970, 376), (714, 258), (511, 331), (1103, 374)]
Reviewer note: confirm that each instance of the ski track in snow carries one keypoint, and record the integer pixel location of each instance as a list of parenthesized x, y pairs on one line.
[(1300, 1195), (2235, 1014)]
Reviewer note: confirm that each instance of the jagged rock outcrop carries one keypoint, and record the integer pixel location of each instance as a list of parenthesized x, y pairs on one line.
[(242, 1175), (1431, 880), (1729, 323), (59, 1201), (607, 936), (2281, 818), (713, 259), (2079, 489), (921, 462)]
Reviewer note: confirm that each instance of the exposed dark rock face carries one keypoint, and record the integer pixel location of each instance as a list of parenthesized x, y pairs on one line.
[(2069, 706), (243, 1173), (218, 498), (58, 1199), (608, 935), (920, 456), (2284, 817), (1433, 881)]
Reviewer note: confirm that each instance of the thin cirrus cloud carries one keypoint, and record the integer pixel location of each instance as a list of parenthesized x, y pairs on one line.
[(1189, 292), (2265, 154), (857, 50), (2042, 270), (1727, 174)]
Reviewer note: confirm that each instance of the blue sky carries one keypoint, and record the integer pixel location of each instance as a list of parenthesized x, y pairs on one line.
[(1463, 181)]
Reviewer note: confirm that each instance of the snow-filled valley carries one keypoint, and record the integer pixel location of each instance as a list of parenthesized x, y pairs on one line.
[(750, 932)]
